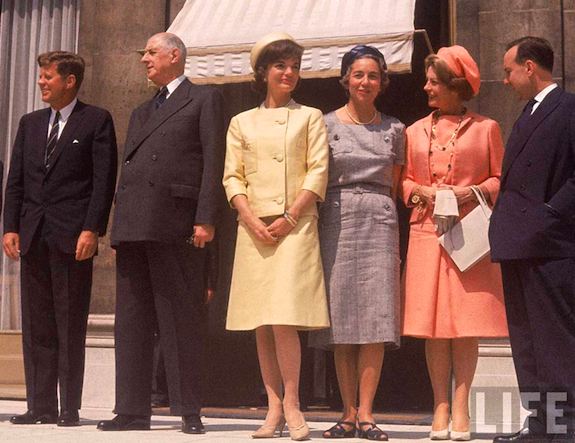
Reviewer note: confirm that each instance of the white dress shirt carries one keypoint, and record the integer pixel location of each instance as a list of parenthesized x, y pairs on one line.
[(65, 113), (172, 86), (542, 94)]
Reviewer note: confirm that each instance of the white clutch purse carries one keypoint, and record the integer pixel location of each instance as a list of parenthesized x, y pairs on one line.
[(467, 242)]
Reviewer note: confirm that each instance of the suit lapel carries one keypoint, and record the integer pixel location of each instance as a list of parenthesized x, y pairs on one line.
[(518, 139), (74, 122), (177, 100)]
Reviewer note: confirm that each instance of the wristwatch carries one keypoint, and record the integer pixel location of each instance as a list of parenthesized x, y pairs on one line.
[(415, 199)]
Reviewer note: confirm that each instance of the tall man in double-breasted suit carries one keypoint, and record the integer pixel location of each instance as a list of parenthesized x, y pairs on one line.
[(532, 234), (58, 197), (167, 204)]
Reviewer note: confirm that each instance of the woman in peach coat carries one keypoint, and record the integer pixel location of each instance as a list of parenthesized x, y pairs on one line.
[(452, 148)]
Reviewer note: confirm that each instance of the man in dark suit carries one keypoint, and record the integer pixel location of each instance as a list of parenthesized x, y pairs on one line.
[(167, 204), (58, 197), (532, 234)]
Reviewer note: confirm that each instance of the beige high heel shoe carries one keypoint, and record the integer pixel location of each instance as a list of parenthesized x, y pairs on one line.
[(443, 434), (301, 432), (460, 435), (271, 431)]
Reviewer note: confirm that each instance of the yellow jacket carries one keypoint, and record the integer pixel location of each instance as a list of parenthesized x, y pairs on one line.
[(274, 153)]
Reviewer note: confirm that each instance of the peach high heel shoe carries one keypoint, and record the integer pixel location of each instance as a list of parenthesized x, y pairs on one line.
[(270, 431)]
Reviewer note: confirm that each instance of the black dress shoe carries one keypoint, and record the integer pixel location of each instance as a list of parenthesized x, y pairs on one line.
[(31, 418), (523, 436), (68, 419), (125, 423), (191, 424)]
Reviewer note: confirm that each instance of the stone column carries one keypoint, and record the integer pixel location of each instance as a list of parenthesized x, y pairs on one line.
[(111, 32), (110, 35)]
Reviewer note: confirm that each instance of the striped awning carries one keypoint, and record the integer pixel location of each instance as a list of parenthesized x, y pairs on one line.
[(220, 33)]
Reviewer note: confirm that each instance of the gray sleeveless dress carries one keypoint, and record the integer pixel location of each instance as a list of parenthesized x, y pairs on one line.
[(359, 234)]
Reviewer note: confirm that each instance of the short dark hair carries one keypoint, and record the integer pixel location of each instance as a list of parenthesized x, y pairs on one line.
[(448, 77), (67, 63), (533, 48), (344, 81), (278, 50)]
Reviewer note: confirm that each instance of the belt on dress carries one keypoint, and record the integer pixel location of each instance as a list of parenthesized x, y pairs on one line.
[(362, 188)]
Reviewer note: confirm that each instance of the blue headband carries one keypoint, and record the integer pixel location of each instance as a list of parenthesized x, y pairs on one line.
[(359, 51)]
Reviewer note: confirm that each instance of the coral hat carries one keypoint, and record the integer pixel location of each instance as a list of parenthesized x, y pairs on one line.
[(263, 42), (462, 65)]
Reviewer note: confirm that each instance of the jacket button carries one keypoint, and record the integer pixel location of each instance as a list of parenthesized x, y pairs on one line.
[(523, 187), (279, 200), (123, 187), (280, 122), (127, 162), (154, 157), (151, 183), (529, 163), (524, 210), (279, 157)]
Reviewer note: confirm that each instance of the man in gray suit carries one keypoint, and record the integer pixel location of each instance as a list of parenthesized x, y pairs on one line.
[(167, 203)]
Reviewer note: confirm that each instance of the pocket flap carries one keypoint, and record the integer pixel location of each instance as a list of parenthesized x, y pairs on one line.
[(184, 191)]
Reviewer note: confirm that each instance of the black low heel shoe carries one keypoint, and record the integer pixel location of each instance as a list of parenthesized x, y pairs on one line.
[(32, 418), (371, 433), (338, 430)]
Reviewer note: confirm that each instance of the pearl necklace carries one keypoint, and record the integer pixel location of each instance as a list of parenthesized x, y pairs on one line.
[(357, 122)]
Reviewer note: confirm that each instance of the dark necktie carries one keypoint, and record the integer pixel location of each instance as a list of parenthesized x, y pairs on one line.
[(52, 139), (161, 97), (526, 114)]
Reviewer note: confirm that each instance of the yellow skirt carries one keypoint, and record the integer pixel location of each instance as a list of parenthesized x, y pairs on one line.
[(279, 284)]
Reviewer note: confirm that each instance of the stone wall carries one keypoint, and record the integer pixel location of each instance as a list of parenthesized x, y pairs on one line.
[(485, 27)]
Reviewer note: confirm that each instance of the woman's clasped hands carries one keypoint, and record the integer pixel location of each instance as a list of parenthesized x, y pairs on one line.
[(269, 234)]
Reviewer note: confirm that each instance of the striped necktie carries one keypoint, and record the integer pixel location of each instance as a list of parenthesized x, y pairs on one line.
[(52, 139)]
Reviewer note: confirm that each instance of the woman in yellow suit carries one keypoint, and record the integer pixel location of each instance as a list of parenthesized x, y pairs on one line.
[(275, 171)]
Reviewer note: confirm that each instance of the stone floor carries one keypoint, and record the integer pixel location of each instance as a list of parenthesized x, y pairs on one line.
[(167, 429)]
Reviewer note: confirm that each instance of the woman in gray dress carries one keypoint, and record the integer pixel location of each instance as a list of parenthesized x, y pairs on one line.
[(360, 240)]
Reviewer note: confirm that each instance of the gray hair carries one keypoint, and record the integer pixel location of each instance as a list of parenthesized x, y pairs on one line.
[(171, 41)]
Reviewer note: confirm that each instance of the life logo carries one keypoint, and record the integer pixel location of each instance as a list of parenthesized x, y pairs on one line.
[(501, 410)]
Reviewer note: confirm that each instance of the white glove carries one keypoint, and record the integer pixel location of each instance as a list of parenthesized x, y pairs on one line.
[(443, 223)]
